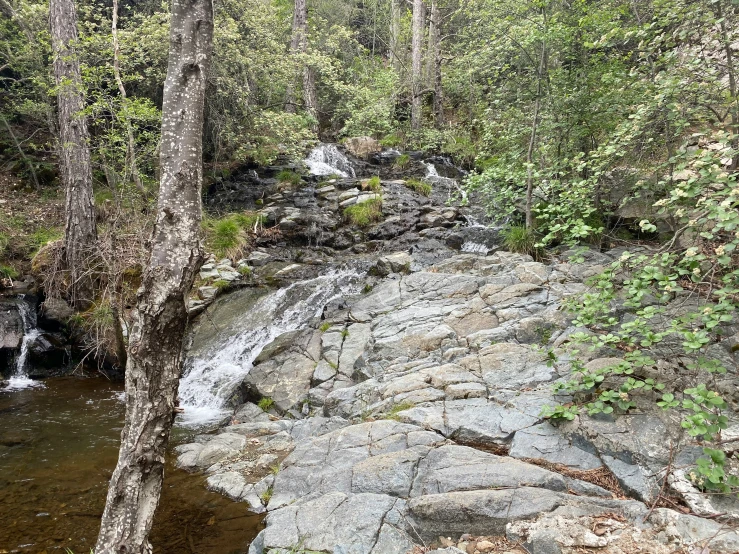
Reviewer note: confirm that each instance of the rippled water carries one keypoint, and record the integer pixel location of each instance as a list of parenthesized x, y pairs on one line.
[(58, 447)]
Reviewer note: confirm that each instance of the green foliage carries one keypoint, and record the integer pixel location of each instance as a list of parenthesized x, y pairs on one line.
[(344, 333), (221, 284), (287, 176), (266, 403), (229, 235), (402, 161), (397, 408), (266, 496), (373, 184), (421, 187), (364, 214), (8, 272), (519, 239), (325, 326)]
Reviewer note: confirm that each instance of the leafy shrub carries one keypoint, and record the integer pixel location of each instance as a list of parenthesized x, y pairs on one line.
[(364, 214), (421, 187)]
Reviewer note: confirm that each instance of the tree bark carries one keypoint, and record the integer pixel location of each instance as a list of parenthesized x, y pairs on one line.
[(532, 140), (418, 26), (297, 47), (394, 46), (126, 118), (155, 341), (80, 234), (433, 63)]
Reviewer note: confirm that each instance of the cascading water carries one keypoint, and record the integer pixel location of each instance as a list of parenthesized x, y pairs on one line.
[(20, 380), (327, 159), (212, 376), (433, 176)]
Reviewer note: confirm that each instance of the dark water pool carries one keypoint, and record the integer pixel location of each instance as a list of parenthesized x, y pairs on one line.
[(58, 447)]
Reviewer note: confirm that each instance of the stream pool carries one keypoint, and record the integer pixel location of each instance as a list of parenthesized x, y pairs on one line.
[(58, 448)]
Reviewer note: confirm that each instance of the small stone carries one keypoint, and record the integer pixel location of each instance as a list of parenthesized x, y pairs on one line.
[(485, 546), (207, 293)]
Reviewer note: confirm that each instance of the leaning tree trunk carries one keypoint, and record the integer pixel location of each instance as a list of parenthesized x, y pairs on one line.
[(155, 342), (433, 63), (80, 234), (416, 58), (297, 46)]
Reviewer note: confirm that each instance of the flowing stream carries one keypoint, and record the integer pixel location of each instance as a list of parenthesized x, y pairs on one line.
[(211, 376), (58, 448)]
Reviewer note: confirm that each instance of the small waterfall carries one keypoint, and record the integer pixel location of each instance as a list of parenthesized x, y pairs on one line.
[(432, 175), (211, 378), (20, 379), (327, 159)]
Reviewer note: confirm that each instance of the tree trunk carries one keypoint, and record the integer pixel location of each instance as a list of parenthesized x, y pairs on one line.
[(126, 119), (532, 141), (433, 63), (418, 27), (431, 45), (155, 341), (297, 47), (394, 46), (80, 234)]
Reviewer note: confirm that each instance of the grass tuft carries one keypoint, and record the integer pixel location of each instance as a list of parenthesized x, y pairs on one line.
[(287, 176), (418, 186), (266, 403), (364, 214), (519, 239), (373, 184), (402, 161)]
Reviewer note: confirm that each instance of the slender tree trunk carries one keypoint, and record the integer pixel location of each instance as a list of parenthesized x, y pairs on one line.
[(418, 26), (434, 63), (297, 47), (80, 234), (124, 102), (431, 45), (532, 141), (28, 162), (155, 341), (309, 95), (394, 46), (731, 74)]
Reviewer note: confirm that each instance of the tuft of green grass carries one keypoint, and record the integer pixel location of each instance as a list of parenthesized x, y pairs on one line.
[(228, 235), (221, 284), (418, 186), (325, 326), (245, 270), (42, 237), (519, 239), (344, 333), (373, 184), (364, 214), (275, 469), (266, 496), (266, 403), (367, 288), (249, 220), (395, 410), (8, 272), (225, 235), (287, 176), (402, 161)]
